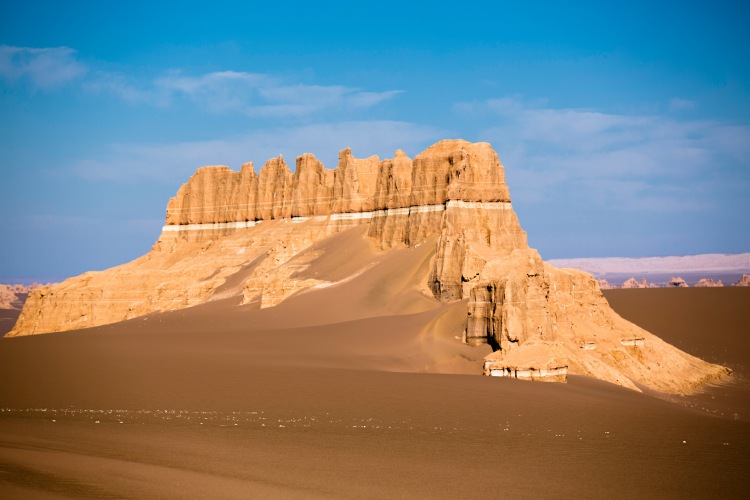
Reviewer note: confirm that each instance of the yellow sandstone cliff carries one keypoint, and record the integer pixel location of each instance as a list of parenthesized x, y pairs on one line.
[(251, 236)]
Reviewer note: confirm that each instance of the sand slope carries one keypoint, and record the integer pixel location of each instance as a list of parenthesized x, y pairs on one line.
[(330, 395)]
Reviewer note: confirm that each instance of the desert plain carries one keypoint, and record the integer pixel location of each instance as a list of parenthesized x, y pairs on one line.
[(316, 398)]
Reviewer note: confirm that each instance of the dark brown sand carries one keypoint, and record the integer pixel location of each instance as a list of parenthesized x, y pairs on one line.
[(329, 395)]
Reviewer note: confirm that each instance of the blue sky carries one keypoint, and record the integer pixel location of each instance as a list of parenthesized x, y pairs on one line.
[(624, 127)]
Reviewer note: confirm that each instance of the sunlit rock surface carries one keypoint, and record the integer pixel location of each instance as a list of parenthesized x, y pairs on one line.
[(250, 236)]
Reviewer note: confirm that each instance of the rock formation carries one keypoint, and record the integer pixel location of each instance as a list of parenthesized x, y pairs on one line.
[(252, 236), (677, 283), (8, 298), (631, 283), (13, 296), (606, 285), (708, 283), (744, 281)]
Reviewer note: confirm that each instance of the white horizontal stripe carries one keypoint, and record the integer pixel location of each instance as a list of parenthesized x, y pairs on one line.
[(211, 226), (426, 209), (396, 211), (352, 216), (487, 205), (418, 209), (300, 218), (409, 210)]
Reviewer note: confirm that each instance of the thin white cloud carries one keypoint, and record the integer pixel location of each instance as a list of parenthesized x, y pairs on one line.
[(253, 94), (301, 100), (368, 99), (126, 89), (173, 163), (635, 162), (324, 95), (42, 68), (213, 82), (218, 92)]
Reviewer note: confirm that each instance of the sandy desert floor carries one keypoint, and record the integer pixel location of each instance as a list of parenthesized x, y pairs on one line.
[(360, 390)]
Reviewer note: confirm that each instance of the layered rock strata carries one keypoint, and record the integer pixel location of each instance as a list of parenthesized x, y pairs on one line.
[(251, 235)]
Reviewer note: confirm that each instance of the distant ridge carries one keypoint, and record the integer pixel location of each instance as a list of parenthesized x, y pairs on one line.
[(710, 262)]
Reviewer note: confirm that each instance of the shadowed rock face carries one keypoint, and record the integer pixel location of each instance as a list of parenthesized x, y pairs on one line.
[(247, 235)]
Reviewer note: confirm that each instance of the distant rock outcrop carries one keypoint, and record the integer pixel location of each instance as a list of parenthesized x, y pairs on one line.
[(708, 283), (631, 283), (744, 281), (605, 285), (242, 234), (13, 296), (677, 283)]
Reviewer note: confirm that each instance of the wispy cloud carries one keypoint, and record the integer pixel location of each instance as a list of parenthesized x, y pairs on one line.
[(126, 89), (175, 162), (222, 91), (253, 94), (41, 68), (635, 162), (258, 95)]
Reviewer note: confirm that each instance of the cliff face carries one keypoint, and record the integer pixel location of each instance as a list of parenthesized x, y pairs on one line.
[(454, 189), (399, 196), (252, 236)]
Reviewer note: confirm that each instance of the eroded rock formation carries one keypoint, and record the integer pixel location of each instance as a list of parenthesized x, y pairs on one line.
[(13, 296), (708, 283), (677, 283), (606, 285), (252, 236), (631, 283)]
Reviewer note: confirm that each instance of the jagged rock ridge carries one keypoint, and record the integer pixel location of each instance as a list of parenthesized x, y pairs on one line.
[(246, 234)]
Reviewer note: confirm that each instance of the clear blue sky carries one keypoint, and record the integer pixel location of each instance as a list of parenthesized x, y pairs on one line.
[(624, 127)]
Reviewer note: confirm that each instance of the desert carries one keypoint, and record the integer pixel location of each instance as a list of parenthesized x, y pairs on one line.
[(392, 250), (324, 333)]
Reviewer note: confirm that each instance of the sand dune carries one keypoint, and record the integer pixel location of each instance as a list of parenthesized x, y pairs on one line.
[(333, 394)]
